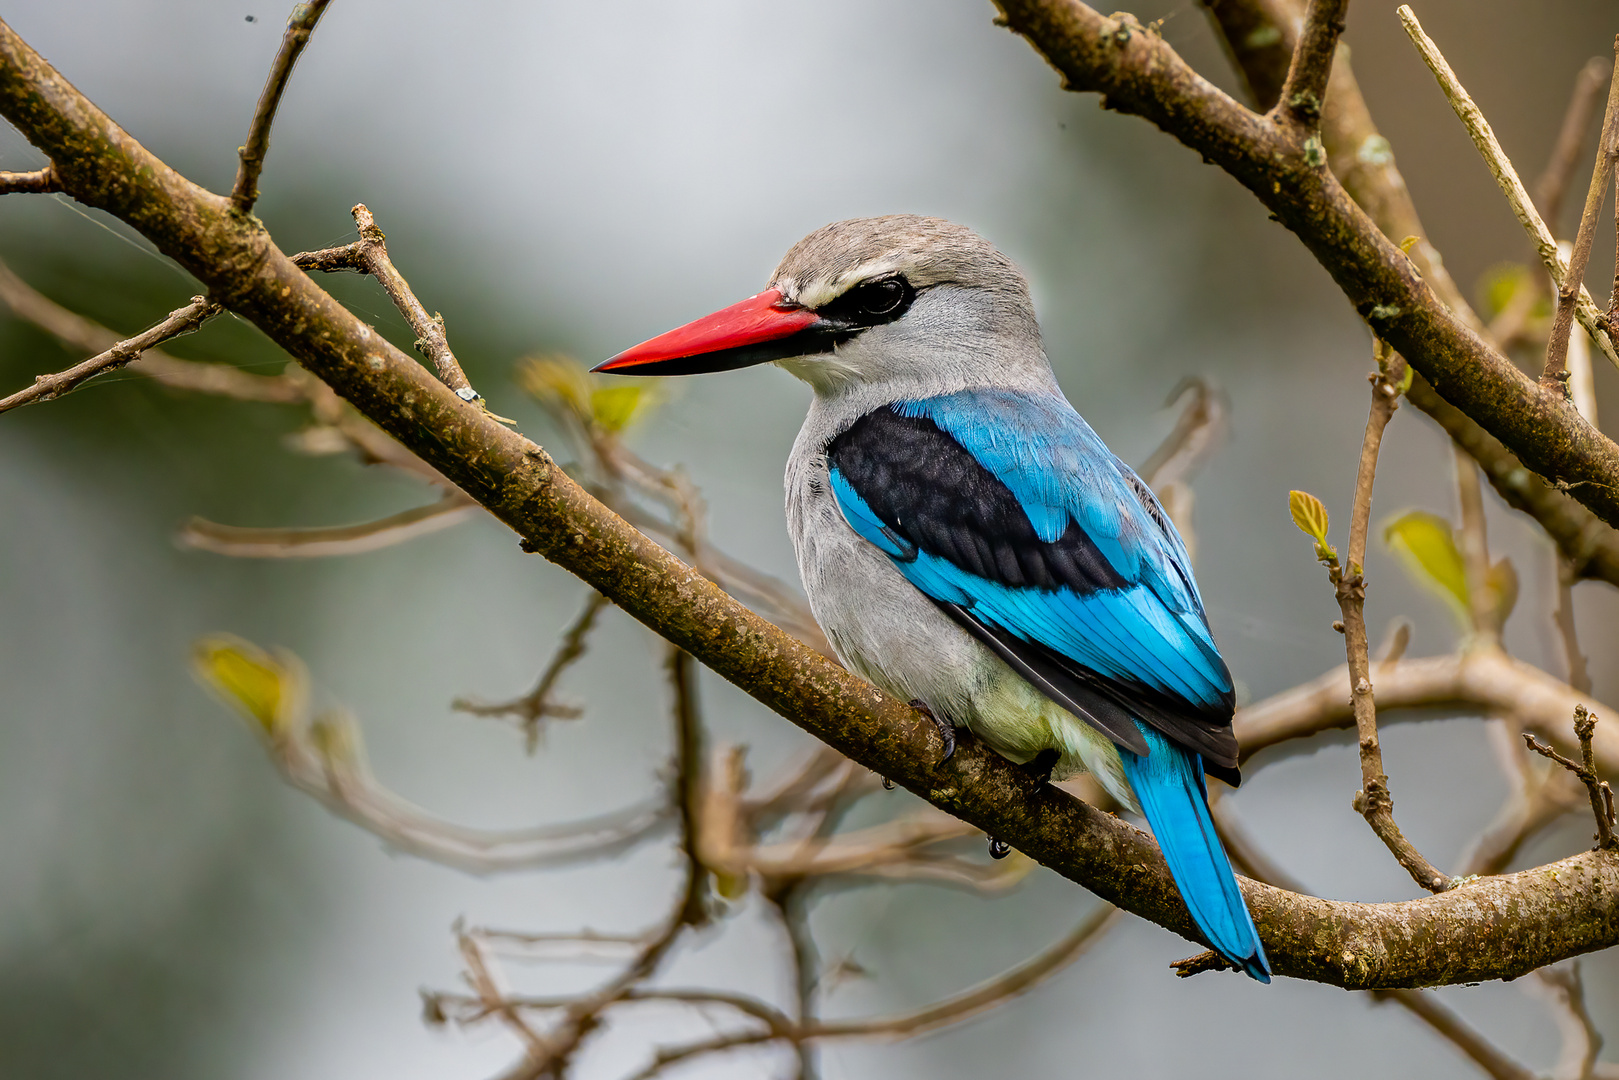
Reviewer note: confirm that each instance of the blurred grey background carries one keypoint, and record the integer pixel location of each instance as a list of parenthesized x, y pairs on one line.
[(577, 177)]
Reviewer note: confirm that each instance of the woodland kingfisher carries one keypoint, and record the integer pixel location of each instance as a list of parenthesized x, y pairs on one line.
[(969, 544)]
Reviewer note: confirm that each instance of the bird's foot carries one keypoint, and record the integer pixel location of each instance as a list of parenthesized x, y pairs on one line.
[(1041, 765), (947, 731), (999, 849)]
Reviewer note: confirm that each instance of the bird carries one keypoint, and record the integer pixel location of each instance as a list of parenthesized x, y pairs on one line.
[(969, 544)]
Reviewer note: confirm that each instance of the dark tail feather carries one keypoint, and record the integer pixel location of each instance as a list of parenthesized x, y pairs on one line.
[(1169, 784)]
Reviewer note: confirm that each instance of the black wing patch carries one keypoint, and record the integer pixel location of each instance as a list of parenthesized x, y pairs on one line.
[(932, 495), (929, 490)]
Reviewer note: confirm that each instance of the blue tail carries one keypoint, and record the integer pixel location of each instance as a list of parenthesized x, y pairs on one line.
[(1168, 783)]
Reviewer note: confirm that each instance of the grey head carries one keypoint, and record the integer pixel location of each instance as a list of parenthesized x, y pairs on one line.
[(933, 307), (872, 310)]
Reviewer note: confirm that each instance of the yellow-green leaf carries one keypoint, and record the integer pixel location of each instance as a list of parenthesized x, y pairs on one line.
[(1309, 514), (268, 690), (1426, 545), (613, 407), (556, 381)]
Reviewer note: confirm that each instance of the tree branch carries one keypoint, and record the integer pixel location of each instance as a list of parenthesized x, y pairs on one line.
[(181, 321), (1140, 73), (1553, 373), (1493, 928), (315, 543), (39, 181), (1511, 186), (1373, 801), (1552, 186), (370, 256), (245, 191), (1305, 90)]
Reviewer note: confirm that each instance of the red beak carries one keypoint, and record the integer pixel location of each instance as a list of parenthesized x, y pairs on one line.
[(760, 329)]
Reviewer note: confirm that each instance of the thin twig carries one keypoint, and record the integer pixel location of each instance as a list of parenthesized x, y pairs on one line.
[(39, 182), (980, 999), (180, 321), (538, 704), (1475, 552), (369, 255), (1305, 91), (245, 191), (1507, 177), (1554, 374), (1582, 1040), (1373, 801), (1601, 794), (314, 543), (1579, 672), (1553, 183), (1427, 1007)]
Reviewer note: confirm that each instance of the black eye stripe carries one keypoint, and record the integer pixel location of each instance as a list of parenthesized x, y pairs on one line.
[(870, 303)]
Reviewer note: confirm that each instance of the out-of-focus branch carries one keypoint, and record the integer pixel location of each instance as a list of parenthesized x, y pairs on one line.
[(953, 1010), (39, 182), (180, 322), (325, 758), (1488, 681), (1431, 1011), (538, 703), (1507, 177), (322, 542), (245, 191), (1554, 372), (1552, 186)]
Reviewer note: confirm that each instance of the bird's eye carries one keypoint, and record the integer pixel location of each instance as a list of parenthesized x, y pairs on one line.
[(880, 297)]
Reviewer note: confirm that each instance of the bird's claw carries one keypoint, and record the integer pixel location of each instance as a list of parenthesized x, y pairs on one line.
[(1041, 765), (947, 731)]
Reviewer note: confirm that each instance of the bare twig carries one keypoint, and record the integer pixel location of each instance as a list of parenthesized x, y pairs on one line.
[(1426, 1006), (538, 703), (982, 998), (39, 182), (1374, 801), (369, 255), (1552, 186), (1579, 673), (1582, 1040), (1475, 552), (1305, 90), (181, 321), (245, 191), (1553, 374), (1507, 177), (315, 543), (1601, 793)]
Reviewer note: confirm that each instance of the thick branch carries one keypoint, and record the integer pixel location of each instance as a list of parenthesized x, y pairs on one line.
[(1494, 928), (1140, 73), (245, 191)]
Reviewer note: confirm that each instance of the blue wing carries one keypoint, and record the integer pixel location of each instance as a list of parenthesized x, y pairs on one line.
[(1010, 513)]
